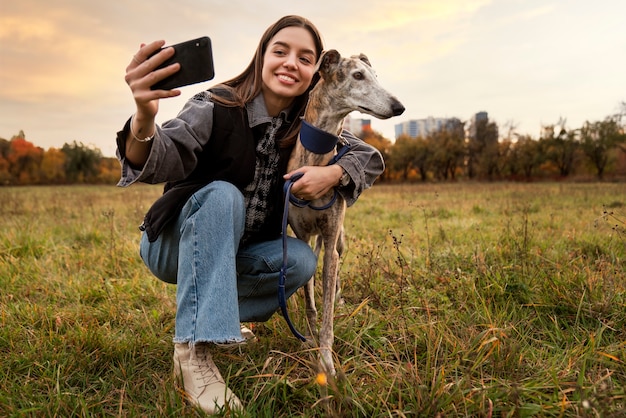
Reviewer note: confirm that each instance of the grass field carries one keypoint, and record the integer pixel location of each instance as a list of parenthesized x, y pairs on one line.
[(503, 300)]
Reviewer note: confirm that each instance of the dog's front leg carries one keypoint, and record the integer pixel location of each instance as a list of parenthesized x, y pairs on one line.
[(329, 278)]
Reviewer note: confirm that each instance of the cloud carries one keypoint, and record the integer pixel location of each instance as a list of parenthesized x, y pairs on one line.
[(55, 58), (63, 62), (403, 36), (67, 59)]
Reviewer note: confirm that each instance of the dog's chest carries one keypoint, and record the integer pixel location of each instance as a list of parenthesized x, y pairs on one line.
[(313, 222)]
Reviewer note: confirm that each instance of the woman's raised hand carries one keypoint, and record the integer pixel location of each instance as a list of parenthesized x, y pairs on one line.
[(141, 74)]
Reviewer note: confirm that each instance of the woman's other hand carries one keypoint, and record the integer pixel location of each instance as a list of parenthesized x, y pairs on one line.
[(316, 181)]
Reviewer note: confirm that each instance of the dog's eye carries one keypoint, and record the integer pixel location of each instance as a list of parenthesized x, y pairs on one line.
[(358, 75)]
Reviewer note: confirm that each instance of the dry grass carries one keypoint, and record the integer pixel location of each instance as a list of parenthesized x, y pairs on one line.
[(460, 300)]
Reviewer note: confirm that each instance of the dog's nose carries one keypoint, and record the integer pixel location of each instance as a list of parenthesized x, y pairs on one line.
[(397, 108)]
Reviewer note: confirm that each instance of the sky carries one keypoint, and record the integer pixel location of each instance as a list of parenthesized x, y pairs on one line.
[(528, 63)]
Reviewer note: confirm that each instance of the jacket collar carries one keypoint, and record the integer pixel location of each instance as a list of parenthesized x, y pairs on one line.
[(258, 115)]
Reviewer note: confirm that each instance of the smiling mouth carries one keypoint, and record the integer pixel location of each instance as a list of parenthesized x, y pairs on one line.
[(286, 78)]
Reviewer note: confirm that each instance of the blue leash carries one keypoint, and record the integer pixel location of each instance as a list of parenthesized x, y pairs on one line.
[(282, 298), (290, 198)]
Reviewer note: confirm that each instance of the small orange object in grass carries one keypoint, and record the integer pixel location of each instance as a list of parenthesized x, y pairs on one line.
[(321, 379)]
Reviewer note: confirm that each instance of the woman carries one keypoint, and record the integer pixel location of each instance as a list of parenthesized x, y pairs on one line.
[(216, 230)]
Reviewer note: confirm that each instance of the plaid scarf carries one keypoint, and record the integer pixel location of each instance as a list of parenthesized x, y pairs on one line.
[(259, 201)]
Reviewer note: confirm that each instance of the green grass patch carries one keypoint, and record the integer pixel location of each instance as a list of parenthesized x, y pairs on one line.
[(491, 299)]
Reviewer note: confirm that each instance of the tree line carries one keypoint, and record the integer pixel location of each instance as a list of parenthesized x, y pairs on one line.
[(23, 163), (597, 150), (460, 150)]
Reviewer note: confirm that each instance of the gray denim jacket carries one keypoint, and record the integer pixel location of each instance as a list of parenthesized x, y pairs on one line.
[(177, 142)]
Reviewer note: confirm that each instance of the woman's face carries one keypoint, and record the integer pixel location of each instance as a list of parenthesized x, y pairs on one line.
[(288, 67)]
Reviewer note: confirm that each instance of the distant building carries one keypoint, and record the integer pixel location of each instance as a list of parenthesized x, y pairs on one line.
[(421, 127), (478, 117), (357, 126), (406, 128), (424, 127)]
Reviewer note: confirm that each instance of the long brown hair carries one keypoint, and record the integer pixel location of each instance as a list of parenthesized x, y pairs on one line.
[(247, 85)]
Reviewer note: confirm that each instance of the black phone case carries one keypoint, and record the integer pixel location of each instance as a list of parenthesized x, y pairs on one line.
[(196, 64)]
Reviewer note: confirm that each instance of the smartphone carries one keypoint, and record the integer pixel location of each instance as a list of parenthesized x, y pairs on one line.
[(196, 64)]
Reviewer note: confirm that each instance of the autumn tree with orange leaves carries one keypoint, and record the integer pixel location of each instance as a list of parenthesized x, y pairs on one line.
[(23, 163), (24, 160)]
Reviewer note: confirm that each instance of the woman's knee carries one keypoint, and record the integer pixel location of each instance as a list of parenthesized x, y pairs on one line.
[(215, 207), (215, 202), (221, 197)]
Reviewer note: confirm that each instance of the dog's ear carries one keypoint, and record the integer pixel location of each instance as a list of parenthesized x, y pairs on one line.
[(328, 58), (364, 58)]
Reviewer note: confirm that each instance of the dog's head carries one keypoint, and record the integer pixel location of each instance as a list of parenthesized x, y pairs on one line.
[(352, 81)]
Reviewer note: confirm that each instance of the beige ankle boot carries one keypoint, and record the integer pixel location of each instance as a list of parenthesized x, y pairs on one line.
[(201, 380)]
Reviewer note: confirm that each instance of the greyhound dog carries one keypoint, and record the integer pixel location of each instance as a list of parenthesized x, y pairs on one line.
[(345, 85)]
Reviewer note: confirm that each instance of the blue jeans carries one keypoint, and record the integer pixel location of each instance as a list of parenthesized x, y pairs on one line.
[(220, 284)]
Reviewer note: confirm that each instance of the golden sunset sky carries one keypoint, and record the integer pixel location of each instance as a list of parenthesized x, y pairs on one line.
[(529, 62)]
